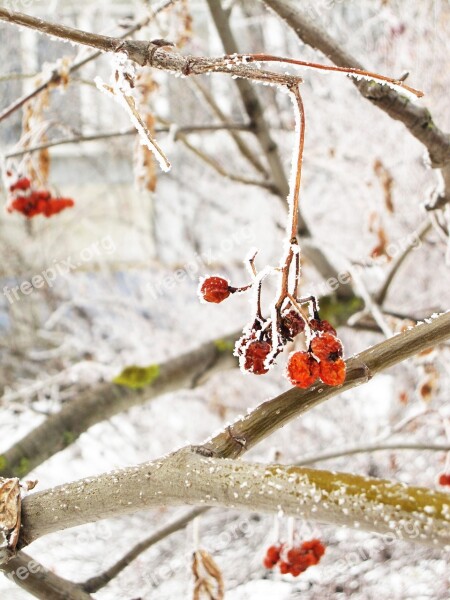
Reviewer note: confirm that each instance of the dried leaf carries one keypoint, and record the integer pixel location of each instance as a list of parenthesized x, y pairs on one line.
[(208, 580), (10, 505), (386, 181)]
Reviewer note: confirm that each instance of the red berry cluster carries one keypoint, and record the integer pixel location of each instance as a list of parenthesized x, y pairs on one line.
[(31, 202), (295, 560), (323, 359), (257, 351), (444, 479)]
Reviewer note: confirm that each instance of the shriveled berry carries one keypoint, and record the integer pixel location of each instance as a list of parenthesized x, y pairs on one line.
[(444, 479), (215, 289), (326, 346), (292, 323), (332, 373), (302, 369), (321, 325), (255, 356)]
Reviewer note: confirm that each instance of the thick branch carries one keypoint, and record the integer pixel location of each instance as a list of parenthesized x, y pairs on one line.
[(189, 478), (173, 480)]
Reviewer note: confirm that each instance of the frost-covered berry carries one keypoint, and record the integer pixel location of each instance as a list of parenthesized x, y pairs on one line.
[(292, 323), (302, 369), (321, 325), (254, 357), (325, 346), (215, 289), (444, 479), (332, 373)]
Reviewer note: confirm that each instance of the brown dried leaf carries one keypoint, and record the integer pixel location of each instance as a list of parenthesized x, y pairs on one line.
[(208, 580), (387, 183), (10, 504)]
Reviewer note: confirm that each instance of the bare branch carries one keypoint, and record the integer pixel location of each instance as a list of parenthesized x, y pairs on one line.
[(421, 235), (55, 77), (416, 118), (33, 577), (372, 448), (78, 139), (95, 583), (107, 399)]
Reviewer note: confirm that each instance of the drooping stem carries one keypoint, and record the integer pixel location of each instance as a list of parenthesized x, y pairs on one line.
[(294, 195)]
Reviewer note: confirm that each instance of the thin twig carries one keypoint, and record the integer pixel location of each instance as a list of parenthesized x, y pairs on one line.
[(77, 139), (421, 234)]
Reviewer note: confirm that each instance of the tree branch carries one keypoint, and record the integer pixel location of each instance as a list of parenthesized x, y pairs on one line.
[(108, 399), (77, 139), (55, 76), (416, 118), (173, 480), (33, 577), (97, 582), (186, 477)]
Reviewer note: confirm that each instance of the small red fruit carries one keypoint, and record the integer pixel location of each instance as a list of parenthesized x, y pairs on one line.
[(444, 479), (332, 373), (293, 323), (272, 556), (321, 325), (302, 369), (255, 356), (21, 184), (215, 289), (325, 346), (285, 568), (316, 547)]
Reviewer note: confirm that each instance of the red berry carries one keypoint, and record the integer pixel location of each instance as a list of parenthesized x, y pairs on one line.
[(215, 289), (444, 479), (255, 355), (293, 323), (325, 346), (316, 547), (272, 556), (321, 325), (302, 369), (285, 568), (21, 184), (332, 373)]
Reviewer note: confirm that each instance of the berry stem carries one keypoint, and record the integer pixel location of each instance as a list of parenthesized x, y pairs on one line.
[(348, 70), (294, 197)]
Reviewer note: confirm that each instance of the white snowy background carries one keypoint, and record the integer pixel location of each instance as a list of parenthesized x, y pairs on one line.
[(117, 308)]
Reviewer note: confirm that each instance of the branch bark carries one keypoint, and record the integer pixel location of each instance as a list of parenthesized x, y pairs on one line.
[(186, 477)]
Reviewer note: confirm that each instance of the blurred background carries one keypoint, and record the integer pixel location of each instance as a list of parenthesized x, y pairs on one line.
[(121, 270)]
